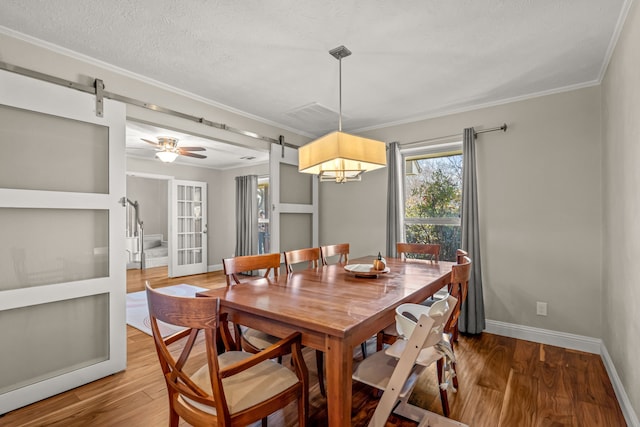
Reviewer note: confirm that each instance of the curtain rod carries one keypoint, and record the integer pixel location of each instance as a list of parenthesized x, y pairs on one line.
[(97, 89), (456, 135)]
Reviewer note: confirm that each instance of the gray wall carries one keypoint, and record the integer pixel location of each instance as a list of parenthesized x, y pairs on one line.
[(540, 207), (621, 182)]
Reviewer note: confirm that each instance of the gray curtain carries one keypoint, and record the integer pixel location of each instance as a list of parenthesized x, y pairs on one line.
[(395, 206), (472, 314), (246, 215)]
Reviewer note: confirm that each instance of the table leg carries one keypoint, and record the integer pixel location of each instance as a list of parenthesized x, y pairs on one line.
[(339, 359)]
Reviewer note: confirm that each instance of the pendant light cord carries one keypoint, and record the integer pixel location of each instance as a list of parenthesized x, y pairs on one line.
[(340, 95)]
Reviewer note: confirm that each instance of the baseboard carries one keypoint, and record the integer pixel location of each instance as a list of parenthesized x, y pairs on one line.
[(545, 336), (625, 405), (214, 267), (574, 342)]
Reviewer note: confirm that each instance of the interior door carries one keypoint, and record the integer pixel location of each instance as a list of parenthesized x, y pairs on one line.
[(294, 202), (62, 257), (187, 228)]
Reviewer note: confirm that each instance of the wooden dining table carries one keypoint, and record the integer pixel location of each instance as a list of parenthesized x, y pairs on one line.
[(334, 309)]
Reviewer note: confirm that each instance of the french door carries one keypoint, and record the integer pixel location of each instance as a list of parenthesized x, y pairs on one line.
[(187, 228), (294, 202), (62, 257)]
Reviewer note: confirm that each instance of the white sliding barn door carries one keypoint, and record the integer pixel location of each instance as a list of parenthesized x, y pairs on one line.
[(62, 257), (294, 203), (187, 228)]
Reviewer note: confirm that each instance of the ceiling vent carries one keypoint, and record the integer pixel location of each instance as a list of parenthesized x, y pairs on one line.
[(315, 118)]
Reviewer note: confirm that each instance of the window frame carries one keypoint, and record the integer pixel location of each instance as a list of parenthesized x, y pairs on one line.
[(427, 152)]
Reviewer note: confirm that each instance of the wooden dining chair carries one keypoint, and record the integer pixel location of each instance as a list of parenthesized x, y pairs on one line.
[(459, 288), (396, 369), (310, 256), (251, 340), (340, 250), (460, 254), (418, 250), (233, 388)]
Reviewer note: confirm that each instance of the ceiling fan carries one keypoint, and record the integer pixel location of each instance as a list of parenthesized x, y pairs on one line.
[(168, 149)]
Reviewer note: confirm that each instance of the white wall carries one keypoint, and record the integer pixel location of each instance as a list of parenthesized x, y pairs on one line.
[(621, 182), (540, 207)]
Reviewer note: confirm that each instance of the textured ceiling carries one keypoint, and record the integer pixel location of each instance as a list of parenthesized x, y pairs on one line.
[(411, 59)]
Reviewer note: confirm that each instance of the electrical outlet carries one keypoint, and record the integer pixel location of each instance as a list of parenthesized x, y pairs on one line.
[(541, 308)]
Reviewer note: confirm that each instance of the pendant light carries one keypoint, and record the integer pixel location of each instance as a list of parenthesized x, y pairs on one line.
[(339, 156)]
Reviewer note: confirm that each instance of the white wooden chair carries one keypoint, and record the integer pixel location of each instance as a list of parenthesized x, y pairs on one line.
[(396, 369)]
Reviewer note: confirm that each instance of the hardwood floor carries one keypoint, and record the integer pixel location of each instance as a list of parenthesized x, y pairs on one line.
[(503, 382)]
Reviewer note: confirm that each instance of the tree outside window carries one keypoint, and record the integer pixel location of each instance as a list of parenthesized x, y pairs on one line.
[(433, 194)]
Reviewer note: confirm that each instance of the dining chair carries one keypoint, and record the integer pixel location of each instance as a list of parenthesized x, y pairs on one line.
[(251, 340), (310, 256), (460, 254), (418, 250), (330, 251), (459, 288), (232, 388), (396, 369)]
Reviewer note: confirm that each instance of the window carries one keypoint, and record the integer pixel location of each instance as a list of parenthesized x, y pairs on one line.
[(264, 239), (433, 193)]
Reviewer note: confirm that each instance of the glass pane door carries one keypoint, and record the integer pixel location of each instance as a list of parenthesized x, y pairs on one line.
[(188, 243)]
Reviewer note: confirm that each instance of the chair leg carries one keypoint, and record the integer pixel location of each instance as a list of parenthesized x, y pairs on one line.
[(264, 422), (320, 367), (443, 392), (174, 418), (303, 409), (379, 338), (363, 348)]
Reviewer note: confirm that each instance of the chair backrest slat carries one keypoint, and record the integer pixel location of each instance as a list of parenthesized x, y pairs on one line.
[(418, 248), (341, 249), (241, 264), (298, 256), (460, 254)]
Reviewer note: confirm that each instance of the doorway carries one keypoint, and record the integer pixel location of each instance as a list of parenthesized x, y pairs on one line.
[(147, 245)]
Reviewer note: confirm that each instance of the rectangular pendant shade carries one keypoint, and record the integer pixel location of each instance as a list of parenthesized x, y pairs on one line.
[(340, 154)]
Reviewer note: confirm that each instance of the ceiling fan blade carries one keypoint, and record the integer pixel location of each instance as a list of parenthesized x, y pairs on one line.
[(192, 148), (188, 154), (150, 142)]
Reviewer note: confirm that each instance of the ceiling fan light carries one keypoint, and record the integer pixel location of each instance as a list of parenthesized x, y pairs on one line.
[(167, 156)]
